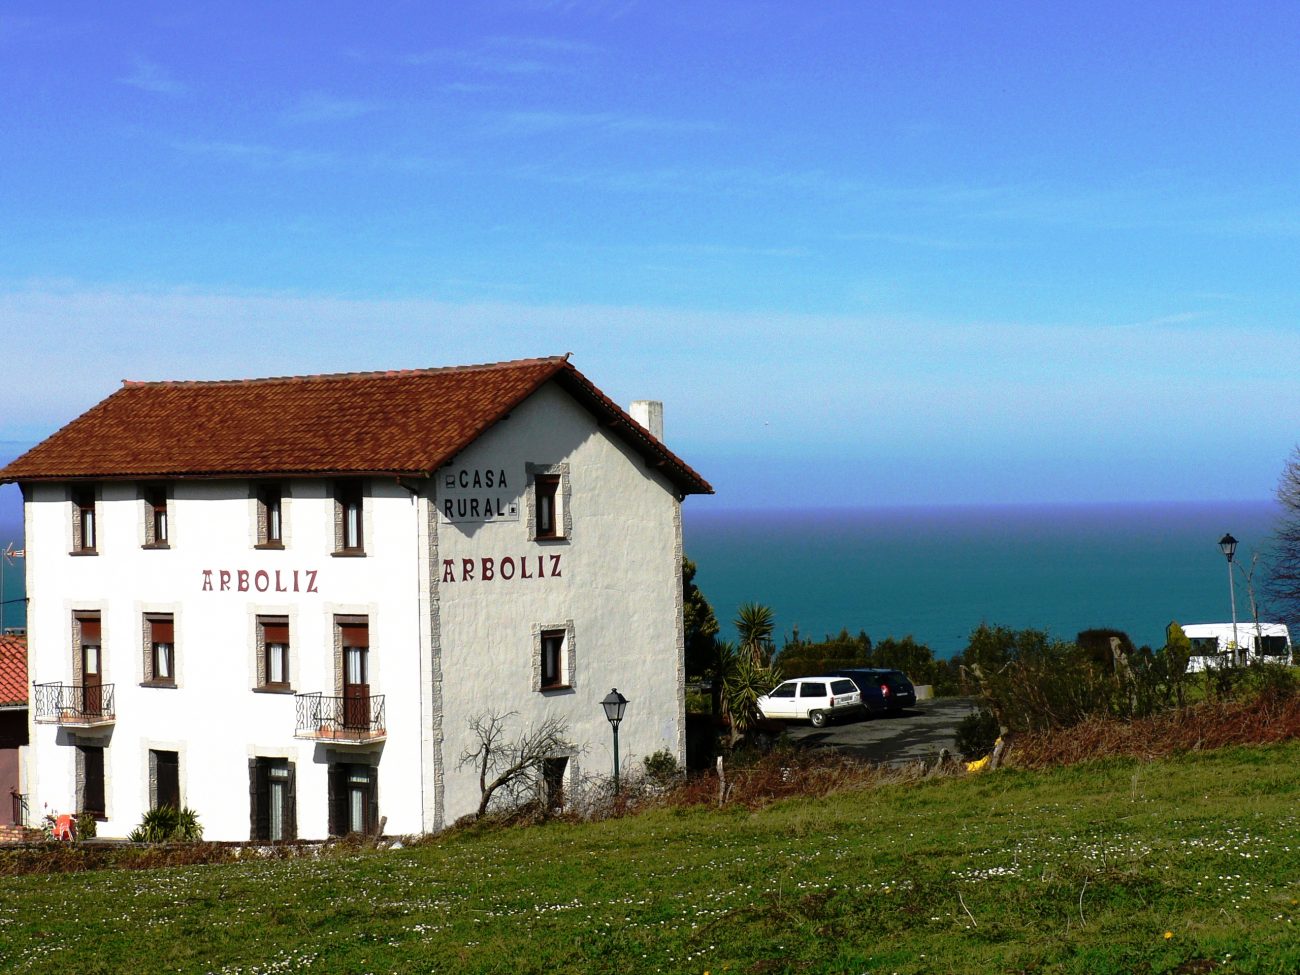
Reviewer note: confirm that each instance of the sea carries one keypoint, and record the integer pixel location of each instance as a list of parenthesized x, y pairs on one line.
[(936, 573)]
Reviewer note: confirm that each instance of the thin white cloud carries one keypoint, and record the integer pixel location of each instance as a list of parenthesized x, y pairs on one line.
[(545, 122), (149, 76), (319, 107), (894, 389)]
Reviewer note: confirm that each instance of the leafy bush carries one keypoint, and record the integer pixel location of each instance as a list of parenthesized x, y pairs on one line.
[(1270, 680), (1031, 682), (698, 702), (976, 734), (85, 825), (167, 824), (662, 768)]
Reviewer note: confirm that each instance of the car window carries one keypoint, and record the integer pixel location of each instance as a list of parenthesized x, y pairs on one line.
[(843, 686), (817, 689), (785, 690)]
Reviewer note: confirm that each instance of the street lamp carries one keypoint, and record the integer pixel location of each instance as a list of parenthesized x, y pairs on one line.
[(614, 705), (1228, 546)]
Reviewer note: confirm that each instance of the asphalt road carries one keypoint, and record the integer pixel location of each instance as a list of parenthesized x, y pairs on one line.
[(919, 732)]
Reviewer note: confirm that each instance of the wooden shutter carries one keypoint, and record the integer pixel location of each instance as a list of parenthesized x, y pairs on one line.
[(89, 626), (162, 630), (355, 634), (277, 632), (372, 814), (338, 799), (291, 813), (258, 819)]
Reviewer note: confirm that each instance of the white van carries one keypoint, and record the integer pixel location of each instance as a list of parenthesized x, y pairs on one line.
[(815, 699)]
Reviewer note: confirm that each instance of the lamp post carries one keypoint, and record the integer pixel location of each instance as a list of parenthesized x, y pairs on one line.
[(614, 705), (1228, 546)]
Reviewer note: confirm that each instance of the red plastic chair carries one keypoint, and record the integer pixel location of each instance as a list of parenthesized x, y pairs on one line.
[(65, 827)]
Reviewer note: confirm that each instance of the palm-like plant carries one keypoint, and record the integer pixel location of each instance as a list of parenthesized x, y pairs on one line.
[(744, 681), (754, 625)]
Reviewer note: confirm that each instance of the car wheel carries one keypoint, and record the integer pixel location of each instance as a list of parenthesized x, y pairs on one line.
[(818, 719)]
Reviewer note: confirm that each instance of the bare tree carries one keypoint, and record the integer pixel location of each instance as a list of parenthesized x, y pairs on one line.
[(1283, 586), (509, 763)]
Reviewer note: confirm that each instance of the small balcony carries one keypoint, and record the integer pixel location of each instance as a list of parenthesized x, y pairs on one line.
[(75, 705), (353, 719)]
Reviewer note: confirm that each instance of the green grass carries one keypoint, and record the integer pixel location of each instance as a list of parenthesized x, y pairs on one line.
[(1081, 870)]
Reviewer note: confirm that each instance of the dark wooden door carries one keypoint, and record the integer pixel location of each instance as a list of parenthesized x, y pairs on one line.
[(356, 688), (167, 779)]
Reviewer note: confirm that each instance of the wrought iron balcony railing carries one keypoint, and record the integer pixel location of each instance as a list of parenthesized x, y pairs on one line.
[(349, 719), (84, 705)]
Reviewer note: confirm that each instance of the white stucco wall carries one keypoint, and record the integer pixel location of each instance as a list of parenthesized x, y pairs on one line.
[(213, 718), (441, 651), (619, 584)]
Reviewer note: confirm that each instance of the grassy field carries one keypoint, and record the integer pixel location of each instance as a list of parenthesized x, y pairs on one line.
[(1186, 865)]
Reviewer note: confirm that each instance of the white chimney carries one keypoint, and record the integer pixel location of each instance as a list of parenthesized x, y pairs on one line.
[(650, 414)]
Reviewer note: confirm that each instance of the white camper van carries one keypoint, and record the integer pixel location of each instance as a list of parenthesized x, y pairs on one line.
[(1213, 644)]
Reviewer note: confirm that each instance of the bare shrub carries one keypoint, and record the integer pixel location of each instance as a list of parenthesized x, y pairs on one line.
[(509, 764), (1267, 718)]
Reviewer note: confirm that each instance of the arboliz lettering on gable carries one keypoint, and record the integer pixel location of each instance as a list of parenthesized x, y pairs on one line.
[(490, 568)]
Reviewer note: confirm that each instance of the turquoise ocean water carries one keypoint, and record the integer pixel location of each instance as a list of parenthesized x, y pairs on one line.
[(936, 573)]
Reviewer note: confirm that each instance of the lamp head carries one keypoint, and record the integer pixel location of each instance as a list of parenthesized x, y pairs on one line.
[(614, 705)]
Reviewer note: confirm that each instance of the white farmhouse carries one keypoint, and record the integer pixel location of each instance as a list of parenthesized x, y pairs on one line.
[(280, 602)]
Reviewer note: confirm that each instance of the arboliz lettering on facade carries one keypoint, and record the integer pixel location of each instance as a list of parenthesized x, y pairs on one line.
[(489, 569), (260, 580)]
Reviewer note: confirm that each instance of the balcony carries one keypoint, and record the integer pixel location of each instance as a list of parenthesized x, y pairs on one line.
[(75, 705), (349, 720)]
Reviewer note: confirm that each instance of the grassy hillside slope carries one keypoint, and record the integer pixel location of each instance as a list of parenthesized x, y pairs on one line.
[(1184, 865)]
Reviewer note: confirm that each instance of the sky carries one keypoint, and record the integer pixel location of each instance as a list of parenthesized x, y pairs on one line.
[(866, 253)]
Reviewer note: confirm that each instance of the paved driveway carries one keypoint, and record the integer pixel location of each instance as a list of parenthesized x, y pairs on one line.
[(916, 733)]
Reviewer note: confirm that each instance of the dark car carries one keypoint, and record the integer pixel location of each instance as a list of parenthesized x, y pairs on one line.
[(883, 691)]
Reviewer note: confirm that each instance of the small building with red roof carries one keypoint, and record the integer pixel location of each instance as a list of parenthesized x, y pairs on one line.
[(13, 723), (285, 602)]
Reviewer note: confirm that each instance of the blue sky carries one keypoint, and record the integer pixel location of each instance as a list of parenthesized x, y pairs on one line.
[(867, 253)]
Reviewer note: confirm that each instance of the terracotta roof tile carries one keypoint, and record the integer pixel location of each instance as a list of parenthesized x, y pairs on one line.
[(13, 670), (402, 422)]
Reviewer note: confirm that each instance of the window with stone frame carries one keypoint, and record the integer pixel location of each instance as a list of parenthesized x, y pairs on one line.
[(550, 516), (85, 520), (270, 516), (156, 516), (272, 800), (353, 791), (273, 672), (349, 517), (159, 650), (553, 657)]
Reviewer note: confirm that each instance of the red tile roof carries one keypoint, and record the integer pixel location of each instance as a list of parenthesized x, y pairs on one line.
[(13, 670), (405, 423)]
